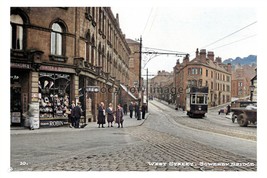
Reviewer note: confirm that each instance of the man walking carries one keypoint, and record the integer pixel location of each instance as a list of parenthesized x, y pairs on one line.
[(144, 108), (76, 112), (131, 109)]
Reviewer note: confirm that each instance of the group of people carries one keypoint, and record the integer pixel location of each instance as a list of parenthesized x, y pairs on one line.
[(134, 107), (76, 113), (112, 114)]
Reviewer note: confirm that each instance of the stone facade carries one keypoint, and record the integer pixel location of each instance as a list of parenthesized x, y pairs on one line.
[(58, 53), (161, 86), (203, 70)]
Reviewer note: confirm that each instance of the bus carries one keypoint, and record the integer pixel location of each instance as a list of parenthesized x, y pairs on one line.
[(197, 101)]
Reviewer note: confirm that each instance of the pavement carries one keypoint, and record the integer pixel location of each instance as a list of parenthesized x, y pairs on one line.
[(128, 122)]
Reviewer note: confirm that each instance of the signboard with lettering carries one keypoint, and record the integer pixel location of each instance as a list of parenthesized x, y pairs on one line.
[(57, 69), (15, 117), (93, 89), (20, 66), (54, 122)]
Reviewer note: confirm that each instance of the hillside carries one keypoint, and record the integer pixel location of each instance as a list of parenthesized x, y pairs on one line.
[(251, 59)]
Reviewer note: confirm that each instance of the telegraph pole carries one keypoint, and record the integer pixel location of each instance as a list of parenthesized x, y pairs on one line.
[(147, 89), (140, 79)]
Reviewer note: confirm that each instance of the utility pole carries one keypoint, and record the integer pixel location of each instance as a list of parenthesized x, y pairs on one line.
[(147, 89), (140, 79)]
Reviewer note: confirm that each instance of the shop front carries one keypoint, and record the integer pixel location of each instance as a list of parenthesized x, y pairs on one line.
[(54, 98), (19, 86), (57, 87)]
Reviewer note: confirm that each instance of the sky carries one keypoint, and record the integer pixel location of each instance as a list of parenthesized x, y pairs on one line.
[(229, 32)]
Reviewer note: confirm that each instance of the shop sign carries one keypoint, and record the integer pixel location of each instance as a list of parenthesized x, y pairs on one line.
[(15, 117), (53, 122), (20, 66), (57, 69), (93, 89)]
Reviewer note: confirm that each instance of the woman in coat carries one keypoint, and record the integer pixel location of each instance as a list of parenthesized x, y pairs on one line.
[(119, 116), (101, 115), (110, 115)]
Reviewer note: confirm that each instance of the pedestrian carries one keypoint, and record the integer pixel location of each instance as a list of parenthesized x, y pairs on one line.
[(131, 109), (136, 110), (228, 109), (76, 112), (72, 119), (144, 108), (125, 109), (110, 117), (119, 116), (101, 115)]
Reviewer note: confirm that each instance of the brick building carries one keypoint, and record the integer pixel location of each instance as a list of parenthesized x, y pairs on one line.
[(203, 70), (134, 65), (241, 77), (58, 53)]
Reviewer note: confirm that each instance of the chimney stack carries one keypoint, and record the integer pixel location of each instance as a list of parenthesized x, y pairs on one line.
[(117, 19), (211, 55), (186, 59), (218, 60), (203, 55), (229, 67), (197, 53)]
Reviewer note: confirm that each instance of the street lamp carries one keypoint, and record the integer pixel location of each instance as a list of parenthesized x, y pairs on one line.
[(251, 87)]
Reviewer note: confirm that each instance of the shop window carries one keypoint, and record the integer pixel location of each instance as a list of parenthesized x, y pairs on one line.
[(16, 32), (54, 94)]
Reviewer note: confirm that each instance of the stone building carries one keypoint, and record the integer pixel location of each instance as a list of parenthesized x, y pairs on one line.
[(203, 70), (59, 55), (161, 86)]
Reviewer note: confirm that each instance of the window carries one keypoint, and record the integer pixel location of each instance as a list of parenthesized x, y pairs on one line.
[(228, 78), (228, 88), (207, 73), (56, 39), (200, 71), (16, 32), (198, 99), (211, 85), (87, 48), (211, 74), (200, 83), (240, 84)]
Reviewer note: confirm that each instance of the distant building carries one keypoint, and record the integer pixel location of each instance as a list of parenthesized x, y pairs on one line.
[(161, 86), (241, 77), (134, 64), (254, 83), (203, 70)]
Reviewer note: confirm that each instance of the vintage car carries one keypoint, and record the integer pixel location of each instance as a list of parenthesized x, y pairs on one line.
[(245, 115)]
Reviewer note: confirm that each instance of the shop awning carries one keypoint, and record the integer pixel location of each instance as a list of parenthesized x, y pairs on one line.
[(129, 93)]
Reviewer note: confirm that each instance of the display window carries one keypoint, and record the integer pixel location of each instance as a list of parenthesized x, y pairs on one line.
[(54, 94)]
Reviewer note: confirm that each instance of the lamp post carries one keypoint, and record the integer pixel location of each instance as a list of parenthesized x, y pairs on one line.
[(251, 87)]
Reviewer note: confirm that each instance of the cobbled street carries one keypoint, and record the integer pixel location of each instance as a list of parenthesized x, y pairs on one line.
[(166, 141)]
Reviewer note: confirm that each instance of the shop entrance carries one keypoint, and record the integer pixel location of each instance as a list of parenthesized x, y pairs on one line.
[(19, 85)]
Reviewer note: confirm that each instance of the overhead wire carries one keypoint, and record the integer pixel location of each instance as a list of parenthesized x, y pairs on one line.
[(230, 34), (147, 20), (235, 41)]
